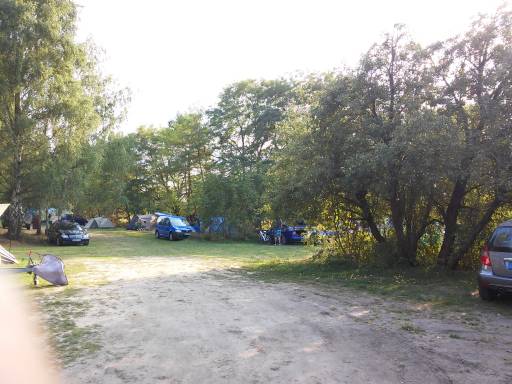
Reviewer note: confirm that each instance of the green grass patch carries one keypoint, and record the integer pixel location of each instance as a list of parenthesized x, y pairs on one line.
[(123, 243), (112, 244), (436, 288)]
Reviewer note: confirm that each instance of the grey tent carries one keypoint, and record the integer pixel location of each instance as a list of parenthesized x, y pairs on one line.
[(6, 256), (145, 222), (99, 222)]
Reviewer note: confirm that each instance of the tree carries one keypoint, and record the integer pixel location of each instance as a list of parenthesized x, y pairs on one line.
[(371, 133), (244, 126), (474, 86), (51, 98)]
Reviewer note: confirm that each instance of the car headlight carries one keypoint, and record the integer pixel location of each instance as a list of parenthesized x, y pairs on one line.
[(64, 236), (178, 230), (86, 236)]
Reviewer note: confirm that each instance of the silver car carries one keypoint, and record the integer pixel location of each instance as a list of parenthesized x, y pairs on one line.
[(495, 274)]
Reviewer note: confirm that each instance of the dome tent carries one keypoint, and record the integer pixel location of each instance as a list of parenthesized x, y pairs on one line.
[(99, 222)]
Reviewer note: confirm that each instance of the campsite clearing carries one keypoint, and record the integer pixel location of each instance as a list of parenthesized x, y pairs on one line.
[(139, 310)]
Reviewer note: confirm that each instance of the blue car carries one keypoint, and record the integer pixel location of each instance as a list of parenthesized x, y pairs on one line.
[(173, 228), (293, 234), (289, 234)]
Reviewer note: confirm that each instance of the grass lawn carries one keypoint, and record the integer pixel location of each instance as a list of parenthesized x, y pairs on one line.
[(439, 290), (270, 263), (119, 243), (122, 243)]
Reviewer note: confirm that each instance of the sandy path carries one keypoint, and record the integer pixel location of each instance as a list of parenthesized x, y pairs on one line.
[(183, 321)]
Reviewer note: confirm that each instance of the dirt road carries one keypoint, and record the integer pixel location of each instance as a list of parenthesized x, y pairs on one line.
[(186, 320)]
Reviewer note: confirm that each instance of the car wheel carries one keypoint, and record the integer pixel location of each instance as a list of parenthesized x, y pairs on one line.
[(487, 294), (58, 241), (157, 235), (86, 242)]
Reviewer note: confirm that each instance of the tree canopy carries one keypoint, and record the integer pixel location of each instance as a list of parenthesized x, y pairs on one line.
[(407, 156)]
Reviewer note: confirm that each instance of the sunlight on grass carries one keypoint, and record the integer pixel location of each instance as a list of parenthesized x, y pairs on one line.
[(118, 245), (122, 243), (438, 290)]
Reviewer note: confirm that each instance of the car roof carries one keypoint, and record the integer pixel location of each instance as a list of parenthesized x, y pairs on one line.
[(180, 217), (507, 223)]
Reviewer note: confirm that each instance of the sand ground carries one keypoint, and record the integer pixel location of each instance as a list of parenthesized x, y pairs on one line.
[(186, 320)]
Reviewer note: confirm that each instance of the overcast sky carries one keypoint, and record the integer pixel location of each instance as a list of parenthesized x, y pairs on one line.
[(177, 56)]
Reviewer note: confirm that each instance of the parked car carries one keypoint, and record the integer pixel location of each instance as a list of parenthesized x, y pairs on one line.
[(173, 228), (67, 232), (495, 274), (293, 234), (289, 234), (76, 218)]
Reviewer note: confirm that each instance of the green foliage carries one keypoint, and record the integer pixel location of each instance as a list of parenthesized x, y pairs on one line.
[(52, 100), (408, 146), (406, 157)]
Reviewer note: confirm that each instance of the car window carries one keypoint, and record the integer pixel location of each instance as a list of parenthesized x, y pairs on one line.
[(68, 225), (178, 222), (501, 240)]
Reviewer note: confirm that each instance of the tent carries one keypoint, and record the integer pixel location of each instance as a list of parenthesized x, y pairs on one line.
[(99, 222), (3, 208), (6, 256), (217, 224), (145, 222), (220, 225)]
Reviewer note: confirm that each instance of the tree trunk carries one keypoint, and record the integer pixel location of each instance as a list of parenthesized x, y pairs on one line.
[(397, 216), (450, 222), (457, 256), (368, 216), (128, 214), (15, 212)]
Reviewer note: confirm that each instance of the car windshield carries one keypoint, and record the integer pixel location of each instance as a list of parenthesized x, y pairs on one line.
[(178, 222), (69, 226), (502, 239)]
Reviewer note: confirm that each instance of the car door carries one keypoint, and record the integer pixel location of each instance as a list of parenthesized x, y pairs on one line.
[(165, 227), (500, 251)]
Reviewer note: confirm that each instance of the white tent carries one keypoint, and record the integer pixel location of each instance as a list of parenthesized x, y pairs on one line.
[(6, 256), (3, 208), (99, 222)]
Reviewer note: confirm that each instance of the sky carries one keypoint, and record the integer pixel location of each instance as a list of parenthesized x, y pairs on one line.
[(177, 56)]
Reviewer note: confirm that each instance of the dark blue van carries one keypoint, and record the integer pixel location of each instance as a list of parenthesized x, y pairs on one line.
[(173, 228)]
